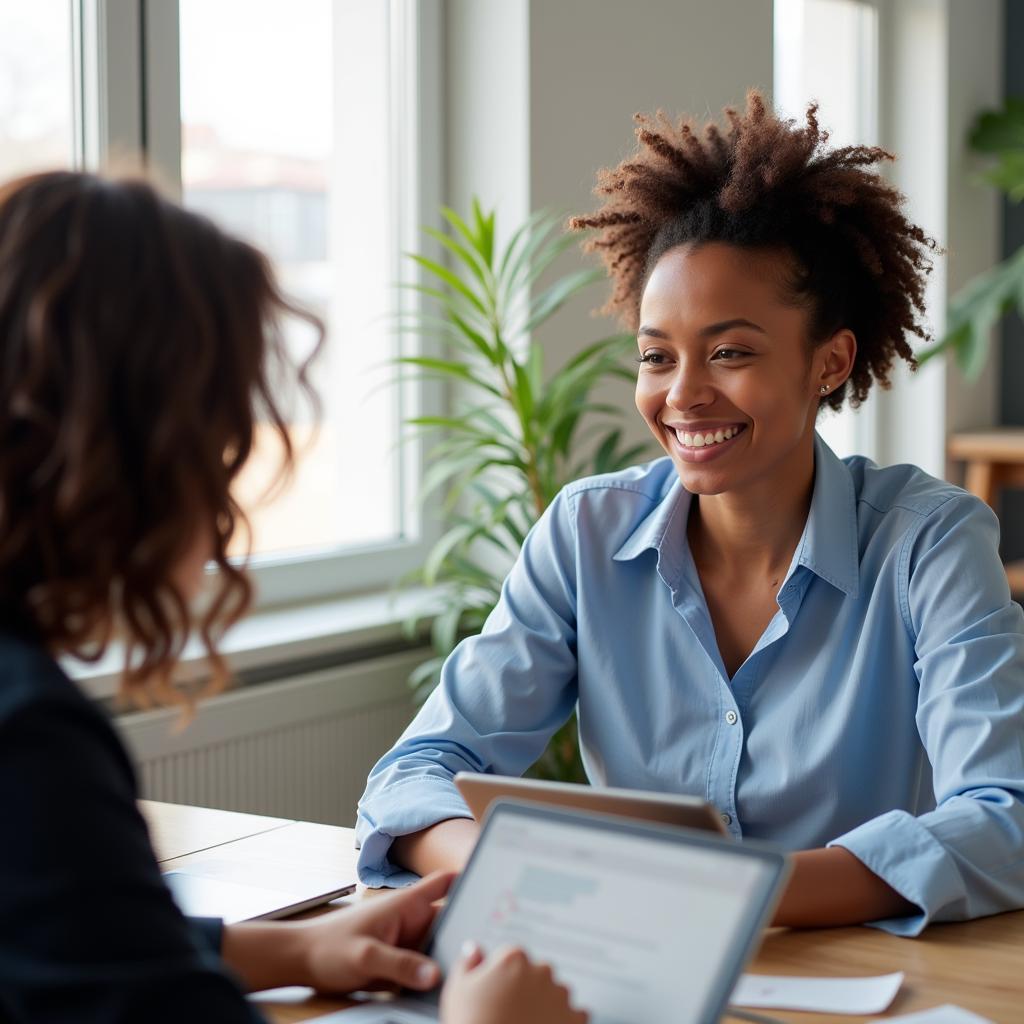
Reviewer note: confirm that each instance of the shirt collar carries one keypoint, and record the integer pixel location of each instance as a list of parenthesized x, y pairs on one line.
[(667, 520), (828, 545)]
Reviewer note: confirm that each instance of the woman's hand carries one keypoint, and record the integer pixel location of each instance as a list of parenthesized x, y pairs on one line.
[(368, 946), (506, 988)]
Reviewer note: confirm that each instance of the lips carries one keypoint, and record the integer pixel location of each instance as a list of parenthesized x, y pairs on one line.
[(706, 443)]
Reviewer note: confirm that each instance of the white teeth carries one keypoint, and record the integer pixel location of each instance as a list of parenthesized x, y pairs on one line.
[(705, 439)]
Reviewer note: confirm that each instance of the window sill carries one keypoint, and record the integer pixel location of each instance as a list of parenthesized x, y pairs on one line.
[(277, 641)]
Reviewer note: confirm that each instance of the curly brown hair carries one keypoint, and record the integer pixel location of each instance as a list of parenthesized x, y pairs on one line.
[(856, 262), (140, 347)]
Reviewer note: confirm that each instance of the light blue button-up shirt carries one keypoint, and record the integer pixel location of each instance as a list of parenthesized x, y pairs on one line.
[(882, 710)]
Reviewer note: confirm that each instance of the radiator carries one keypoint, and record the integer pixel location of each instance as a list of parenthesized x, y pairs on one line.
[(295, 748)]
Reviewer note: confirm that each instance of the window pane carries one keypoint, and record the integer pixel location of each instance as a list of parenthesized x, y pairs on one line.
[(37, 127), (286, 141)]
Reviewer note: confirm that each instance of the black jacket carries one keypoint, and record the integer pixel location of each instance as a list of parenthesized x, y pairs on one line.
[(88, 931)]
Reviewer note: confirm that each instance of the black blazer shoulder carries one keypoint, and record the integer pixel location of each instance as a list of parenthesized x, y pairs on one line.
[(88, 930)]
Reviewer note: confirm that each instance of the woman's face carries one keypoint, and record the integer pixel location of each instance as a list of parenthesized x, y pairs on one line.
[(726, 382)]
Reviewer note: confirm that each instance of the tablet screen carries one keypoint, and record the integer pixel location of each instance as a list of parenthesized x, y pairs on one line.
[(639, 927)]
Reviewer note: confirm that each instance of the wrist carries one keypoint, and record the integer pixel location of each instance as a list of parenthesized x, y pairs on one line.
[(268, 954), (445, 846), (832, 887)]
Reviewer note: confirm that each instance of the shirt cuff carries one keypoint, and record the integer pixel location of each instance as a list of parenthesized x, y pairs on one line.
[(399, 810), (209, 932), (905, 855)]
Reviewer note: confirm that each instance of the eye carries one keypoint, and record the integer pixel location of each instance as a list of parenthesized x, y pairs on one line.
[(729, 354), (652, 359)]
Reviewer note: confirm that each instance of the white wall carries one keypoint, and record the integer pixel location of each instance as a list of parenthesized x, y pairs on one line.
[(594, 65), (941, 64), (541, 93), (975, 82), (487, 92)]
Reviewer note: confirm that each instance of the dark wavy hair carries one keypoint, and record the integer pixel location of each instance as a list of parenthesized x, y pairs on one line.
[(763, 182), (140, 346)]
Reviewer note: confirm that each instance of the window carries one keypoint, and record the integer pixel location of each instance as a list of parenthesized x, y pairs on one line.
[(293, 138), (286, 141), (37, 86), (303, 137), (299, 127), (827, 50)]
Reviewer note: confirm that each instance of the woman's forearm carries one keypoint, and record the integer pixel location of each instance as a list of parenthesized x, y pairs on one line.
[(266, 954), (445, 846), (831, 887)]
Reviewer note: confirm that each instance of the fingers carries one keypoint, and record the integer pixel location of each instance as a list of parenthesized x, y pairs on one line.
[(413, 909), (513, 958), (535, 983), (384, 963), (431, 888), (472, 956)]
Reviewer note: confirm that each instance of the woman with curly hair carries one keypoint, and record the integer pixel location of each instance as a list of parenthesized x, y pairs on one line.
[(140, 347), (824, 649)]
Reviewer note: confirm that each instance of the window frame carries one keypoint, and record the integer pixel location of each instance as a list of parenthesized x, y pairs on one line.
[(128, 77)]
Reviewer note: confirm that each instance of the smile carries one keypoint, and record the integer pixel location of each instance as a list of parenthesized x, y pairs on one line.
[(705, 439), (701, 445)]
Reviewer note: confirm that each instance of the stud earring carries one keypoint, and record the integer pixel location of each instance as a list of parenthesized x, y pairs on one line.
[(824, 389)]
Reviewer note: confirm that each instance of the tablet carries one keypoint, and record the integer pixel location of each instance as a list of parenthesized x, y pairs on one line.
[(643, 923), (480, 791)]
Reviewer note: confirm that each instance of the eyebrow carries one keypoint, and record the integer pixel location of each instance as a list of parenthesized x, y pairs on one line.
[(705, 332)]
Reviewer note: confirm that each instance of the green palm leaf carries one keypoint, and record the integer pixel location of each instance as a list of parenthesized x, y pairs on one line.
[(500, 459)]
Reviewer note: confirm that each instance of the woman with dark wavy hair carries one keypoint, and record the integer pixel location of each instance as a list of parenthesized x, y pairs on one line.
[(139, 348)]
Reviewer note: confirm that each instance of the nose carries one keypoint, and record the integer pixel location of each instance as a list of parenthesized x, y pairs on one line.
[(690, 389)]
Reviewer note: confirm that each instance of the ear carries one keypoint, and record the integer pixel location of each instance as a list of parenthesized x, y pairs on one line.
[(833, 362)]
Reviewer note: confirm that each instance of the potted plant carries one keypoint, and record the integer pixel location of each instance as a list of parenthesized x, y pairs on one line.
[(512, 439), (981, 304)]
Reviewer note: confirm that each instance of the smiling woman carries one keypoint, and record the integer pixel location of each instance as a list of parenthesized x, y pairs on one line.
[(733, 401), (824, 649), (759, 362)]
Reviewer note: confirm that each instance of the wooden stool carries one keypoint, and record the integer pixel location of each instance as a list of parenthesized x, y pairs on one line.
[(994, 459)]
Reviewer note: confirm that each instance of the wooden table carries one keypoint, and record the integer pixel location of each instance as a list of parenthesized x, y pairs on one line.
[(978, 965), (993, 459)]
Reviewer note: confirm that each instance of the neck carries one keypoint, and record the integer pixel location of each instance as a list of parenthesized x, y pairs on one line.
[(755, 530)]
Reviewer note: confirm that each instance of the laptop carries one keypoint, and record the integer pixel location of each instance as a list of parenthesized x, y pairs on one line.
[(644, 923), (480, 790), (224, 889)]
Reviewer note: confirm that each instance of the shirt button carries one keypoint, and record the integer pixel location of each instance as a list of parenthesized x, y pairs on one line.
[(731, 717), (726, 819)]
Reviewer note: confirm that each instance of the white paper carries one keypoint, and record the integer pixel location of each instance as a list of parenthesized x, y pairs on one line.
[(821, 995), (288, 994), (945, 1014)]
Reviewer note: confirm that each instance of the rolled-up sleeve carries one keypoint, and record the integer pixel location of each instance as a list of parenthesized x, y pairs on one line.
[(502, 695), (965, 858)]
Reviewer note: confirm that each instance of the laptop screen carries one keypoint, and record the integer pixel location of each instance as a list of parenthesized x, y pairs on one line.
[(641, 923)]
